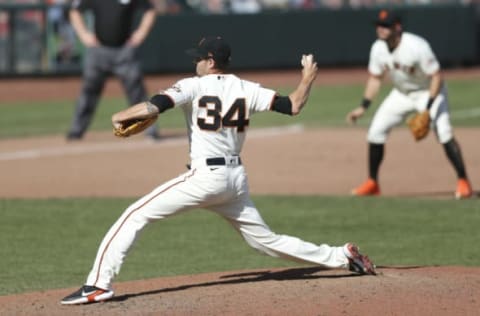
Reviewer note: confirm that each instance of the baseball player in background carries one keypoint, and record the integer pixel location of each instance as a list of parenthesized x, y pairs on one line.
[(218, 108), (111, 49), (417, 86)]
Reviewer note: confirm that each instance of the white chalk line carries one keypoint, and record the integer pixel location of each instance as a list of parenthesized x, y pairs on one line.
[(72, 149)]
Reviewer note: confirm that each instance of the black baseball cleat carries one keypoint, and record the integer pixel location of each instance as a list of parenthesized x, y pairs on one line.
[(87, 294), (73, 136), (357, 262)]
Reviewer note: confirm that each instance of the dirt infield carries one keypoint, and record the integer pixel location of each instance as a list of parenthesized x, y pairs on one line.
[(329, 162), (425, 291)]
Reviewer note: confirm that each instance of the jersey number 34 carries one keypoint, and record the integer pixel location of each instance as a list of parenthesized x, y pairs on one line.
[(234, 118)]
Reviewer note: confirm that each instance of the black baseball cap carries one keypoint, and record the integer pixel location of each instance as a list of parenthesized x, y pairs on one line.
[(387, 18), (212, 46)]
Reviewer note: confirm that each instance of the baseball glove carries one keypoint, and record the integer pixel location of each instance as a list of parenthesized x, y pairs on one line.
[(419, 125), (133, 127)]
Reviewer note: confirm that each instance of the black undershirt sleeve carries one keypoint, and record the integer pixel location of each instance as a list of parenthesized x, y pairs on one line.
[(162, 102), (282, 105)]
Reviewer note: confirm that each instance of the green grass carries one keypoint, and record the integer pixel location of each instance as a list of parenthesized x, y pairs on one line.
[(52, 243), (328, 106)]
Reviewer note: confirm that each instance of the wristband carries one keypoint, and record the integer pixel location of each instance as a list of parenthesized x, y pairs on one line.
[(162, 101), (430, 102), (366, 103)]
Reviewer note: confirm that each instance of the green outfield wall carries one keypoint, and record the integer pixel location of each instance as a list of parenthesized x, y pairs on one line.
[(337, 38), (31, 44)]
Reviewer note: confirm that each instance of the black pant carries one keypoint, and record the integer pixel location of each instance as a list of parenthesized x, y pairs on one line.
[(100, 62)]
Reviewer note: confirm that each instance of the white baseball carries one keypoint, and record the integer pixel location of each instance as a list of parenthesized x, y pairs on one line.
[(305, 58)]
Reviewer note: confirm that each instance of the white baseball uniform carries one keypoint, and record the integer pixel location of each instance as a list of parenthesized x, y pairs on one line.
[(410, 66), (217, 109)]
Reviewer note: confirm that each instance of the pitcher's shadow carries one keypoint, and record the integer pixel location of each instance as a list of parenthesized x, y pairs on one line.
[(307, 273)]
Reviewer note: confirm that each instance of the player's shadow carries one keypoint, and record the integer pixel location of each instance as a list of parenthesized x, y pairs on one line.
[(247, 277)]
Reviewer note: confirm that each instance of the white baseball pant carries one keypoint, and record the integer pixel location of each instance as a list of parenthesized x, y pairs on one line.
[(397, 106), (221, 189)]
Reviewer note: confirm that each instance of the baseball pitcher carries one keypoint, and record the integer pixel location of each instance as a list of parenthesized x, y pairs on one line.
[(218, 108)]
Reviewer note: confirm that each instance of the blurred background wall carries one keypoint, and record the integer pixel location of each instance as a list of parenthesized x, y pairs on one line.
[(36, 37)]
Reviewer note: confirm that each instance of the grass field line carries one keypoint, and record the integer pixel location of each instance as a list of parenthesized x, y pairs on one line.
[(467, 113), (86, 148)]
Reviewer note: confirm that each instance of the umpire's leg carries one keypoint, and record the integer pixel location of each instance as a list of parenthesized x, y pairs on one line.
[(94, 76), (127, 68)]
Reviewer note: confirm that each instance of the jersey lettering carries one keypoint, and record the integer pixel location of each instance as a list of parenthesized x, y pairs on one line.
[(213, 123), (406, 69), (234, 118)]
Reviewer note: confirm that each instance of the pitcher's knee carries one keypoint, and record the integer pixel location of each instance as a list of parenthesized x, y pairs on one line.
[(444, 135), (376, 137), (263, 243)]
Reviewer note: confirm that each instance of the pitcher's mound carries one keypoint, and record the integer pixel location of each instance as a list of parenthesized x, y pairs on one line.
[(296, 291)]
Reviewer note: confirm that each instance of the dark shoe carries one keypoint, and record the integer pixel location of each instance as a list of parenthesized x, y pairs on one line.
[(71, 136), (87, 294), (153, 136), (357, 262)]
